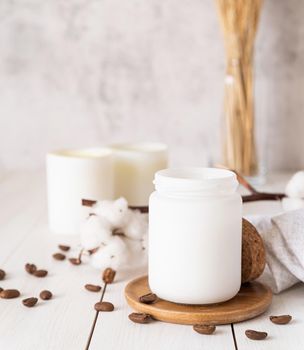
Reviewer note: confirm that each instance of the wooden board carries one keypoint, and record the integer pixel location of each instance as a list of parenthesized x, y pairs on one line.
[(252, 300)]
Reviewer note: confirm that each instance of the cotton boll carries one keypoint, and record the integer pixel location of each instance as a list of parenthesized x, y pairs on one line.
[(94, 232), (97, 208), (292, 203), (137, 255), (115, 255), (295, 186), (119, 212), (114, 211), (144, 242), (136, 226)]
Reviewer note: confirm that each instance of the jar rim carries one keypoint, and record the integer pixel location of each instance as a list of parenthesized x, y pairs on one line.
[(197, 179), (82, 153)]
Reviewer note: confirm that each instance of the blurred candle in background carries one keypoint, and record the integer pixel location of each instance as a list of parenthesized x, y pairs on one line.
[(73, 175), (134, 167)]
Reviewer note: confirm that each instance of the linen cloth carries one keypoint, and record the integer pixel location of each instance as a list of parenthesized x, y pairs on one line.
[(283, 236)]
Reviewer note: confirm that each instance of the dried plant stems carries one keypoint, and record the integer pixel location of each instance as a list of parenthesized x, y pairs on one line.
[(239, 20)]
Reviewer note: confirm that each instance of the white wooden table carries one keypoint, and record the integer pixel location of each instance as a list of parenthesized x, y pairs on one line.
[(65, 321)]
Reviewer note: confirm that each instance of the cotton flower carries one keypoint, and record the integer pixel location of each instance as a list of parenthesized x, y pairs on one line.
[(136, 225), (115, 212), (295, 186), (114, 255), (95, 232), (119, 233), (292, 203), (137, 255), (144, 242)]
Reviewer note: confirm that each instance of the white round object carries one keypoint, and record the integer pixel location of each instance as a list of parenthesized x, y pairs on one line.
[(195, 235), (73, 175), (136, 226), (116, 212), (295, 186), (114, 255), (94, 232)]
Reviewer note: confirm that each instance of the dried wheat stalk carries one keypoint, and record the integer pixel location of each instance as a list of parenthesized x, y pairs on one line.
[(239, 20)]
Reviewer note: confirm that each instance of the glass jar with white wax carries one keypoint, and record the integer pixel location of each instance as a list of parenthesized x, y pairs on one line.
[(195, 230)]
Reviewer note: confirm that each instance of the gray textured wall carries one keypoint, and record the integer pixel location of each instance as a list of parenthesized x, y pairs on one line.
[(86, 72)]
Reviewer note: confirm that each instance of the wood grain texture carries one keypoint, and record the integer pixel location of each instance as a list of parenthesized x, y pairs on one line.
[(252, 300), (115, 331), (280, 337), (65, 321)]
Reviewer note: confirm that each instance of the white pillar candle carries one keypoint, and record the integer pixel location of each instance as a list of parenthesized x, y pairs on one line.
[(134, 167), (73, 175)]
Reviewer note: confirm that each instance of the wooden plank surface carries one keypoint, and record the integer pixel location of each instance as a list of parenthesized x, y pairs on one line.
[(288, 336), (65, 321), (115, 331), (61, 323)]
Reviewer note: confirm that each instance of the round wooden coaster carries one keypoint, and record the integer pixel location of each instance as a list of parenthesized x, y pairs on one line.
[(252, 300)]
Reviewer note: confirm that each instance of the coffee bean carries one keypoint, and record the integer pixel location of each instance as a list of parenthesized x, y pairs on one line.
[(204, 328), (75, 261), (59, 256), (93, 251), (45, 295), (9, 293), (282, 319), (92, 287), (140, 317), (29, 302), (2, 274), (1, 289), (30, 268), (108, 275), (255, 335), (40, 273), (148, 298), (64, 248), (104, 306)]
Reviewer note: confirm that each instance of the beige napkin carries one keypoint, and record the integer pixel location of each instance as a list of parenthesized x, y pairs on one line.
[(283, 236)]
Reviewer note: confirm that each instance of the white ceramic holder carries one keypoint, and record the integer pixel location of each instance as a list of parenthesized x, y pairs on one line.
[(134, 167), (71, 176)]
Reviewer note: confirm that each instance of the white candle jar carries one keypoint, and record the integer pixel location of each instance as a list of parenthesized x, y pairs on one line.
[(73, 175), (195, 230), (134, 167)]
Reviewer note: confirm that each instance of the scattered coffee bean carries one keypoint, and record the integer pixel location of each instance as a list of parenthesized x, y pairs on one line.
[(282, 319), (255, 335), (29, 302), (92, 287), (93, 251), (104, 306), (30, 268), (108, 275), (204, 328), (40, 273), (140, 317), (64, 248), (2, 274), (9, 293), (59, 256), (45, 295), (148, 298), (75, 261)]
